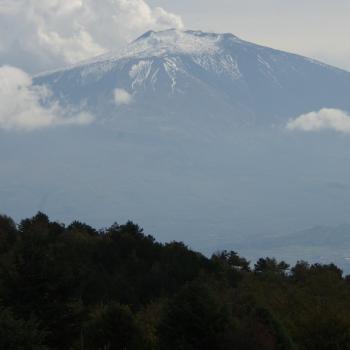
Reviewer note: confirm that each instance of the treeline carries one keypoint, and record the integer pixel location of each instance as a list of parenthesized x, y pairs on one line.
[(73, 287)]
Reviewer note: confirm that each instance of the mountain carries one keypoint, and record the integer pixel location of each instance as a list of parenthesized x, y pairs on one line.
[(184, 79), (189, 141), (319, 244)]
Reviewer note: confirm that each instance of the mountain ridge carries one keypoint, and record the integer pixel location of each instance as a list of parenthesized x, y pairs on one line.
[(202, 74), (199, 33), (190, 146)]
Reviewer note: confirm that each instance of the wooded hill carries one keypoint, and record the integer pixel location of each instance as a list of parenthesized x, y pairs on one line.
[(74, 287)]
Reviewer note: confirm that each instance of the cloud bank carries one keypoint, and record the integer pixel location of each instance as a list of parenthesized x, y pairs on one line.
[(325, 119), (38, 35), (22, 104), (122, 97)]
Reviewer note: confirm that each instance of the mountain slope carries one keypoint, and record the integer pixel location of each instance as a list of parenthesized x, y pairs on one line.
[(183, 79), (185, 146), (317, 244)]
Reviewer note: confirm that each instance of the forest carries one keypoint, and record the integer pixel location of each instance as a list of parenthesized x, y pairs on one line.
[(72, 287)]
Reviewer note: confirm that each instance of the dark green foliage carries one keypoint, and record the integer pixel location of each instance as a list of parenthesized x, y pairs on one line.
[(274, 329), (111, 327), (79, 288), (8, 233), (269, 265), (232, 260), (17, 334), (195, 319)]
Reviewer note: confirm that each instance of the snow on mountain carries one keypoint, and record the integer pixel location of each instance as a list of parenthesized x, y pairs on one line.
[(173, 74), (189, 140)]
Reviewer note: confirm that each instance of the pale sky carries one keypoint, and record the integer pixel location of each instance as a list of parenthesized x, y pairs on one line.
[(39, 35), (316, 28)]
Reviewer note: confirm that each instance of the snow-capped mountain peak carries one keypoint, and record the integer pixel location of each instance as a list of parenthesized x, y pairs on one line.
[(214, 77), (189, 139), (169, 42)]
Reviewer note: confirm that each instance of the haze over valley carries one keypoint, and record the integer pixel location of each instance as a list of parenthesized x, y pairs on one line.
[(197, 136)]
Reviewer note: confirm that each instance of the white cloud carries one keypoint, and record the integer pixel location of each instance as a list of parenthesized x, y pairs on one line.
[(122, 97), (325, 119), (22, 104), (37, 35)]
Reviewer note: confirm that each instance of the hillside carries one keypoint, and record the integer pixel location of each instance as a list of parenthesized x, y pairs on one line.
[(73, 287)]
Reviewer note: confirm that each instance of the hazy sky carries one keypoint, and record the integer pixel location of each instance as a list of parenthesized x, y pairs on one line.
[(317, 28), (40, 35)]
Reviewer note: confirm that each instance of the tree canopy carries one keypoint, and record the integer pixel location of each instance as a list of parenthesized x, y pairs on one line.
[(76, 287)]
